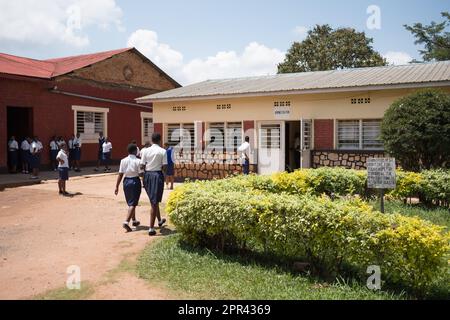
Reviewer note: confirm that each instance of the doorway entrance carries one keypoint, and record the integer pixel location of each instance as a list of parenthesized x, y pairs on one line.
[(19, 123), (271, 147)]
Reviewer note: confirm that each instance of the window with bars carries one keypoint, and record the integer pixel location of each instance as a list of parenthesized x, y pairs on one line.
[(307, 134), (233, 135), (270, 136), (225, 135), (359, 135), (90, 124), (182, 135), (217, 135), (148, 129)]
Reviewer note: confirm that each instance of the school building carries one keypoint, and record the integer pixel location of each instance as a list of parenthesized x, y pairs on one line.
[(335, 115), (87, 94)]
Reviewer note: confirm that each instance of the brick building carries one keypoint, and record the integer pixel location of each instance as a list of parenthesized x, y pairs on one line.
[(336, 115), (86, 94)]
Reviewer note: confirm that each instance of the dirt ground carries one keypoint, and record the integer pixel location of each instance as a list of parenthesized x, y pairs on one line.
[(42, 234)]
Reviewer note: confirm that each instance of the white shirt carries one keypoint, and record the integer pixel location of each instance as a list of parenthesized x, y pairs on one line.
[(25, 146), (130, 166), (60, 143), (63, 156), (138, 152), (71, 144), (245, 149), (53, 146), (34, 148), (40, 146), (154, 158), (107, 146), (77, 141), (13, 145)]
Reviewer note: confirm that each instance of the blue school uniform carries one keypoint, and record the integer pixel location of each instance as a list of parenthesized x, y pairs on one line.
[(132, 186), (170, 164)]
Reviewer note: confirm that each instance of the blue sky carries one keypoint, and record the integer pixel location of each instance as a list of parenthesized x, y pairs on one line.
[(200, 39)]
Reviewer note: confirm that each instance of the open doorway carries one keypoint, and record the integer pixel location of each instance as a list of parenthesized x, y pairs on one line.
[(19, 123), (292, 145)]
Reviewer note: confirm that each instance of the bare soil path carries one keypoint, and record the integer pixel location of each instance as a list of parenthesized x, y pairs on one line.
[(42, 234)]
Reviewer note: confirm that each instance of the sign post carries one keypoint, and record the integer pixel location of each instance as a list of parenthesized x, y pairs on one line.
[(381, 175)]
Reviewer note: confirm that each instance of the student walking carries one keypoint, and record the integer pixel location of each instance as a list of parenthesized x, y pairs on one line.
[(77, 144), (25, 154), (170, 171), (101, 141), (153, 161), (13, 151), (245, 150), (63, 169), (106, 155), (130, 171), (54, 148)]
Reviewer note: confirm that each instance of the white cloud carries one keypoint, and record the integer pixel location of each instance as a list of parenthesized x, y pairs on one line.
[(397, 57), (256, 59), (47, 22), (301, 32)]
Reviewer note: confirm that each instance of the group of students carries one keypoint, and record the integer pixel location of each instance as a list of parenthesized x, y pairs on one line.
[(29, 152)]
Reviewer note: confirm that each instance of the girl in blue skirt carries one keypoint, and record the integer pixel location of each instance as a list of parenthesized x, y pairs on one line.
[(130, 171)]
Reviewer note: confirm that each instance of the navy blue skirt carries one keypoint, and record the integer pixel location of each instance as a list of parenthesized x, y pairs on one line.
[(14, 158), (170, 170), (35, 161), (154, 186), (63, 174), (25, 155), (53, 154), (77, 154), (132, 188)]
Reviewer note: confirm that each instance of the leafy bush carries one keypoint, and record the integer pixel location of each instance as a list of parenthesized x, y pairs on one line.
[(416, 130), (329, 234)]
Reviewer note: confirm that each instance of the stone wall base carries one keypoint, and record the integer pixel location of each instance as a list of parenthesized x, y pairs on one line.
[(345, 159), (204, 171)]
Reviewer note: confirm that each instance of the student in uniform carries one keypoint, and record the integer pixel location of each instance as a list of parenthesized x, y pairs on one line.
[(130, 171), (53, 153), (170, 170), (25, 154), (63, 169), (153, 161), (101, 141), (34, 158), (77, 143), (245, 150), (146, 146), (106, 155), (60, 141), (13, 151), (71, 152)]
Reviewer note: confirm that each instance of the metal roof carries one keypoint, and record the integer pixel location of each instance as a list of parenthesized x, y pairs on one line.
[(412, 75)]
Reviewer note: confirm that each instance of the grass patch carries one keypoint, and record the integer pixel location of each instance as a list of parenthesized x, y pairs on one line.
[(202, 274), (85, 291), (436, 215)]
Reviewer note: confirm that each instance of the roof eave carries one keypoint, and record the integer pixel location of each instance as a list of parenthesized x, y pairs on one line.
[(149, 99)]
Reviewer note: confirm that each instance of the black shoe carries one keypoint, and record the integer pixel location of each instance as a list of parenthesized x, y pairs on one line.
[(61, 193), (162, 222), (66, 194), (136, 223), (152, 232), (127, 228)]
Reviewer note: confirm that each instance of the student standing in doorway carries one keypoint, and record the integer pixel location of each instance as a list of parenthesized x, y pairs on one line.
[(34, 158), (245, 150), (77, 143), (106, 155), (130, 171), (25, 155), (153, 161), (63, 168), (13, 150), (53, 153), (101, 141)]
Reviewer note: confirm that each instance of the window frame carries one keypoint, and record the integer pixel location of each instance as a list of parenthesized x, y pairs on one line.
[(104, 111), (146, 116), (361, 141), (226, 129), (181, 127)]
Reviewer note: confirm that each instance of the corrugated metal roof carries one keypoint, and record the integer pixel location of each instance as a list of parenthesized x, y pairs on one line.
[(48, 69), (412, 74)]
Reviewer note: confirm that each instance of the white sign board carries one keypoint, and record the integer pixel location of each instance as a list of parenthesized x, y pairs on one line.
[(381, 173), (282, 113)]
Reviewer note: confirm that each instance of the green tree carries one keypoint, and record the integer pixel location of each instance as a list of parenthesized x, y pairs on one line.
[(434, 38), (416, 130), (328, 49)]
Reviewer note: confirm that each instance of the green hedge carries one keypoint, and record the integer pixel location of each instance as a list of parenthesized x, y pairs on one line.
[(329, 234)]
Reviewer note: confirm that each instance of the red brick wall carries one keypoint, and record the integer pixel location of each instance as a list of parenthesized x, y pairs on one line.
[(53, 115), (323, 134), (158, 128)]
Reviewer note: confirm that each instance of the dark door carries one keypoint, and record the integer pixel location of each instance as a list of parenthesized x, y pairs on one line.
[(20, 122)]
